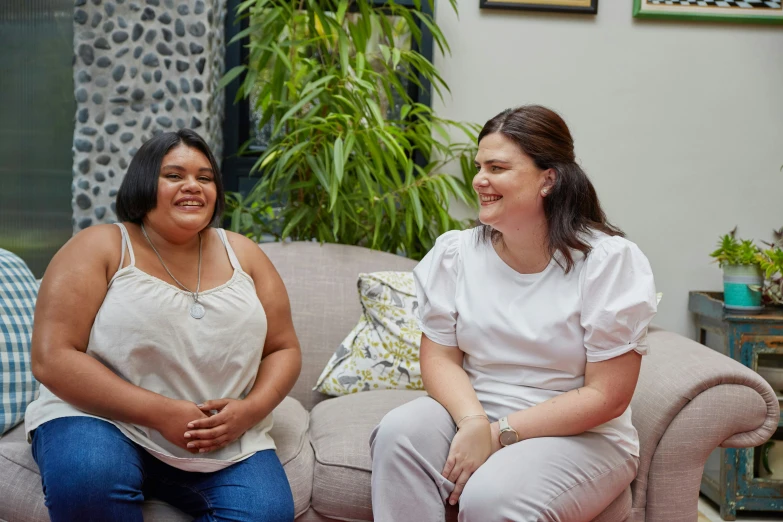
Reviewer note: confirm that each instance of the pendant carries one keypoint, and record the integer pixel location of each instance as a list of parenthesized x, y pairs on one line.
[(197, 311)]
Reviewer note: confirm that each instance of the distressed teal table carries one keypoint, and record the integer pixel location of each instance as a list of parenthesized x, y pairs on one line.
[(731, 476)]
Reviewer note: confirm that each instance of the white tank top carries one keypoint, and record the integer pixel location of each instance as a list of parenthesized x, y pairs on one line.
[(144, 333)]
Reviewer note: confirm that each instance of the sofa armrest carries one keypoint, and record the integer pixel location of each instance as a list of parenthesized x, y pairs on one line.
[(689, 400)]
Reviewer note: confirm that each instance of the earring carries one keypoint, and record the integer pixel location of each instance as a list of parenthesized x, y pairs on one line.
[(544, 192)]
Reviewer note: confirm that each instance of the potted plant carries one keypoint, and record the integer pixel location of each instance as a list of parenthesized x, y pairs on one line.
[(742, 275), (353, 156), (770, 261)]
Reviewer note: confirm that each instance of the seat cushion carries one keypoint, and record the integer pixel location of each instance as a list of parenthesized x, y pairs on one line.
[(340, 434), (294, 450), (22, 500)]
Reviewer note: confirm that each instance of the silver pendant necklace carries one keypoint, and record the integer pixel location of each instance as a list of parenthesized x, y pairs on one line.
[(197, 310)]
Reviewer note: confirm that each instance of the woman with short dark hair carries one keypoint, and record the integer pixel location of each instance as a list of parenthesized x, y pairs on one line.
[(148, 341), (534, 325)]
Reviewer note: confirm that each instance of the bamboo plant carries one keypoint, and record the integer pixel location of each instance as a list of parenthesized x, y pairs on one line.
[(353, 158)]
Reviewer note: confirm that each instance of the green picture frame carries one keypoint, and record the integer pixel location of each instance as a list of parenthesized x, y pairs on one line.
[(762, 12)]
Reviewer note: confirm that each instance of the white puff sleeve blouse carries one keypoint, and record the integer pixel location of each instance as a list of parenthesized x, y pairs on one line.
[(436, 286), (618, 300)]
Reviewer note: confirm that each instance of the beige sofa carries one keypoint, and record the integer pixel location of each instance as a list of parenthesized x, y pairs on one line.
[(689, 400)]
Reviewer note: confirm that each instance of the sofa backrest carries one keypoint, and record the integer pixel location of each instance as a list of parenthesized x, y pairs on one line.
[(321, 283)]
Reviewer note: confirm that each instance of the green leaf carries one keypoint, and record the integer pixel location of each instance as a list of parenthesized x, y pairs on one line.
[(312, 85), (296, 108), (395, 58), (230, 75), (385, 52), (343, 45), (360, 63), (414, 193), (342, 7), (236, 217), (339, 164), (298, 215)]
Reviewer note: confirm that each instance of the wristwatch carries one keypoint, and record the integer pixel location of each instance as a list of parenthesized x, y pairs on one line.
[(508, 435)]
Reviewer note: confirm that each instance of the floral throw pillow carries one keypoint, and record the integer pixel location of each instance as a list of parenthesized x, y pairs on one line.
[(382, 351)]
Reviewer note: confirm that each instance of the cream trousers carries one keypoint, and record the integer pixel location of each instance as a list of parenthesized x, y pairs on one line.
[(552, 479)]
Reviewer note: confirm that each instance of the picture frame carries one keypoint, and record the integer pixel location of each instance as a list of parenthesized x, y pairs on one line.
[(548, 6), (742, 11)]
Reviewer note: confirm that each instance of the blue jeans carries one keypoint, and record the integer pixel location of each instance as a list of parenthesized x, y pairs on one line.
[(92, 472)]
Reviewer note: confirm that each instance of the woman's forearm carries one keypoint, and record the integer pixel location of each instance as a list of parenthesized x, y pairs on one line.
[(608, 388), (570, 413), (87, 384), (276, 377), (446, 381)]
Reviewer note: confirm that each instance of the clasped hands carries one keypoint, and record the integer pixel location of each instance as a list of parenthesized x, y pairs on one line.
[(475, 441), (200, 428)]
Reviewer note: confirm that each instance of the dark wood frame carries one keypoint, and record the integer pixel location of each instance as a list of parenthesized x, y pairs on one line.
[(236, 124), (548, 8)]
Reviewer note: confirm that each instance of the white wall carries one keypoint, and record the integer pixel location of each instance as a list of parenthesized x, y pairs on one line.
[(679, 125)]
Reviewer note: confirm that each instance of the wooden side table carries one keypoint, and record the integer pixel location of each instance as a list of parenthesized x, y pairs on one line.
[(731, 476)]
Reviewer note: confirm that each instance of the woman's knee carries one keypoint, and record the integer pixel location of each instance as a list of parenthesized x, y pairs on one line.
[(409, 423), (272, 509), (86, 473), (254, 490), (496, 500), (479, 501)]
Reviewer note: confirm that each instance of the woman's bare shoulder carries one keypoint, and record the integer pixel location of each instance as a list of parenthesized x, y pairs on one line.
[(95, 246), (250, 255)]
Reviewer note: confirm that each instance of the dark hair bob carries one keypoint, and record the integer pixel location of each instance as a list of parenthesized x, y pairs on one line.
[(138, 193), (571, 208)]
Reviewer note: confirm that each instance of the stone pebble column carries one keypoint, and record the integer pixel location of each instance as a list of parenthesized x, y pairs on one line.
[(141, 67)]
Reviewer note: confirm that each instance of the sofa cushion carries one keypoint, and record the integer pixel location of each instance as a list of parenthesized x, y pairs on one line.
[(20, 483), (382, 350), (18, 292), (340, 433), (22, 500), (294, 450)]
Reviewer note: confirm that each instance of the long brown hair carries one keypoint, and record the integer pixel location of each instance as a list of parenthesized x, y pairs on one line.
[(571, 208)]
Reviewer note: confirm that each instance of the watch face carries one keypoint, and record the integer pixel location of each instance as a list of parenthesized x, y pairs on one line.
[(508, 437)]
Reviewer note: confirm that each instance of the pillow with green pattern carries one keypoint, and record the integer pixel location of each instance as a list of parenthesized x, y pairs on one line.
[(382, 351)]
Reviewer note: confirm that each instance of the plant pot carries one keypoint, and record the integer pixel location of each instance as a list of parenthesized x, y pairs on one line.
[(742, 288)]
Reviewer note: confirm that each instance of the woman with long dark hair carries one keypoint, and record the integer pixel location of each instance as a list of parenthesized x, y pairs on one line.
[(534, 325)]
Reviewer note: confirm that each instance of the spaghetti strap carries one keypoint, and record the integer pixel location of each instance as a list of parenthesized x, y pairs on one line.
[(126, 242), (231, 255)]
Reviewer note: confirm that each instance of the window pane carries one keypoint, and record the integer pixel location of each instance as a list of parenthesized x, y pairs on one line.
[(259, 138), (36, 128)]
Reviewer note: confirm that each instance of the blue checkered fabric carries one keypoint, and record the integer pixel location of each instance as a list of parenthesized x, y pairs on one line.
[(18, 292)]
